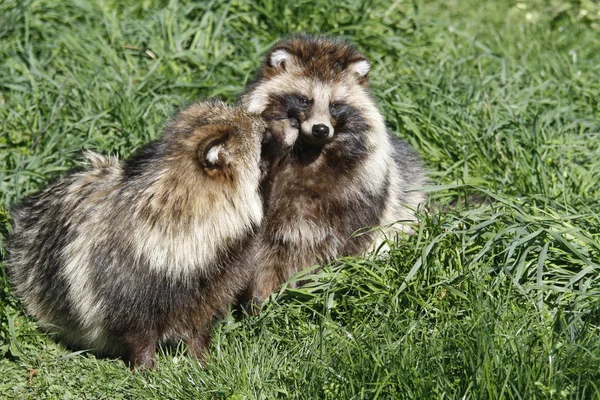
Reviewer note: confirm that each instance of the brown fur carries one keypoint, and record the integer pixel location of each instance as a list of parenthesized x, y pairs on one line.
[(122, 255), (346, 172), (326, 61)]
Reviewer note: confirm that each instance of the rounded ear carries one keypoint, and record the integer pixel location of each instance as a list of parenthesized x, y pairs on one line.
[(279, 59), (212, 152), (213, 156), (360, 68)]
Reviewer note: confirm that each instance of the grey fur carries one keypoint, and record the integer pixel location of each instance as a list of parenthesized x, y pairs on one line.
[(346, 173), (121, 255)]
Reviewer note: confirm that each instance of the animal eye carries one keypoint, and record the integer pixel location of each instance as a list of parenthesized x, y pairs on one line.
[(335, 107), (303, 100)]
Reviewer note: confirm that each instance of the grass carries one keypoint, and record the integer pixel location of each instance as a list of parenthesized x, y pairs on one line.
[(492, 300)]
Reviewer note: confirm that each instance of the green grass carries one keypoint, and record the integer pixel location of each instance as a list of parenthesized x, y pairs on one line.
[(493, 300)]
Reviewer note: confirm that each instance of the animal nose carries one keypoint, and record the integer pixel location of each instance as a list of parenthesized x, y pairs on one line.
[(320, 131)]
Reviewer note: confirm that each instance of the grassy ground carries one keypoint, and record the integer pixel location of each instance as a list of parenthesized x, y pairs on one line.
[(502, 100)]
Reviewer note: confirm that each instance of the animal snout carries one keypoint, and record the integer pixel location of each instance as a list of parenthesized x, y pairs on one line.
[(320, 131)]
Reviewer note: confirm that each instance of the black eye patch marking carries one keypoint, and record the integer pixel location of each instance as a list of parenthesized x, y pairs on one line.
[(348, 119), (302, 100), (338, 109), (297, 102), (287, 105)]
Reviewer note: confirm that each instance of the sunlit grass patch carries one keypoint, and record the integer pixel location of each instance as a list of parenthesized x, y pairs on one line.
[(497, 293)]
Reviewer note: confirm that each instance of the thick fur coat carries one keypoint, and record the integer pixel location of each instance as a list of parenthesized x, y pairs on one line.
[(121, 255), (346, 172)]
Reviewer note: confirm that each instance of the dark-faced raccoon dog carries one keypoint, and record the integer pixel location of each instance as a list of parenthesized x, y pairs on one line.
[(122, 255), (345, 173)]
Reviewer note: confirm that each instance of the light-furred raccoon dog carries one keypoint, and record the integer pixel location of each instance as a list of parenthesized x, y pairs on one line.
[(345, 172), (122, 255)]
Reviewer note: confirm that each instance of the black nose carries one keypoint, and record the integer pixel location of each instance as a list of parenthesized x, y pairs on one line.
[(320, 131)]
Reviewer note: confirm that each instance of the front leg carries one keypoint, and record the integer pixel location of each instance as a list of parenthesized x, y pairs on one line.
[(266, 279), (142, 349), (199, 342), (248, 301), (259, 288)]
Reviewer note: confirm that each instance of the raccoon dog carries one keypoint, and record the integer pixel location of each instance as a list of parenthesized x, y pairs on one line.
[(345, 172), (122, 255)]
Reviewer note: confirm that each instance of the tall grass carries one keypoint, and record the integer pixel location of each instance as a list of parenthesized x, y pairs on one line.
[(492, 299)]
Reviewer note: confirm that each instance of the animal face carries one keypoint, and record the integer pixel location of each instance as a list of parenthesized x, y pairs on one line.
[(321, 111), (319, 83)]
